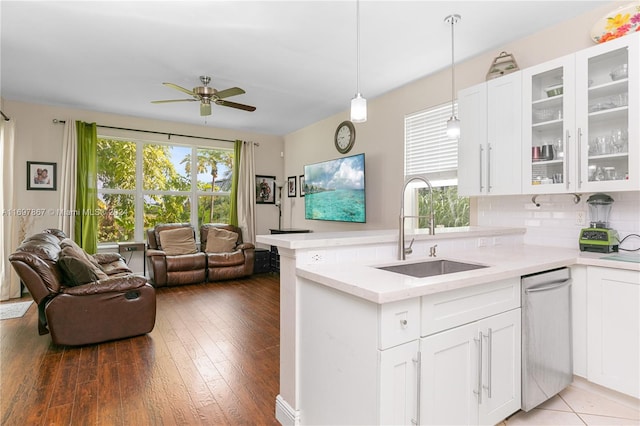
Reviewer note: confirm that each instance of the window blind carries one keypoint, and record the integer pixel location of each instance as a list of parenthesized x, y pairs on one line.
[(428, 150)]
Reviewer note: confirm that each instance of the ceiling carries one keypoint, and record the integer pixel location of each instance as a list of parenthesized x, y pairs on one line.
[(296, 60)]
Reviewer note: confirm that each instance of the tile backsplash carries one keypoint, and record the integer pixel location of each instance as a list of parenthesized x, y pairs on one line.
[(555, 221)]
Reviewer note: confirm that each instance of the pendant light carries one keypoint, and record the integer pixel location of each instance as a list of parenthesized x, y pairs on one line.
[(358, 104), (453, 124)]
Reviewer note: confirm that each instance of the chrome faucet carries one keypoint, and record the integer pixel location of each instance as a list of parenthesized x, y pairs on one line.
[(402, 251)]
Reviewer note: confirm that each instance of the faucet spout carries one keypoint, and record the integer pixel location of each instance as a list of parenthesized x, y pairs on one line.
[(402, 251)]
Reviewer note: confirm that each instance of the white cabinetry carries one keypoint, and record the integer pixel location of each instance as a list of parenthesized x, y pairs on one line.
[(613, 329), (580, 126), (490, 116), (365, 363), (471, 373)]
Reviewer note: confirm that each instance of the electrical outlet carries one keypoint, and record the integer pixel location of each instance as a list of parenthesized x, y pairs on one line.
[(497, 241), (581, 218), (482, 242), (317, 257)]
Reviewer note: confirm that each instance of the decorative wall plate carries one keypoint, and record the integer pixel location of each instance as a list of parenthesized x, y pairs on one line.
[(617, 23)]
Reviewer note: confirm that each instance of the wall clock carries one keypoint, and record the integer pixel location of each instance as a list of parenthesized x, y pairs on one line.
[(345, 137)]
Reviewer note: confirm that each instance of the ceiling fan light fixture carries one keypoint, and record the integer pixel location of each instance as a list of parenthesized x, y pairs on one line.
[(205, 108), (358, 109)]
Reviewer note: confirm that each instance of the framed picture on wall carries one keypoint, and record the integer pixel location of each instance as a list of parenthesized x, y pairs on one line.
[(291, 186), (265, 189), (41, 176), (302, 186)]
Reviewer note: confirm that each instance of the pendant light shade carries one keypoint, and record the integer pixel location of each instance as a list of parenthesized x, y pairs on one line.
[(453, 127), (358, 103), (358, 109), (453, 124)]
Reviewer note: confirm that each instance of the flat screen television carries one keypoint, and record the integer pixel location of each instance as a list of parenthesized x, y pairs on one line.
[(335, 190)]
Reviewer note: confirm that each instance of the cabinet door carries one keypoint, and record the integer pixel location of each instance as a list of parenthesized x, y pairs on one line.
[(607, 111), (449, 377), (399, 384), (472, 109), (548, 127), (613, 326), (504, 130), (501, 382)]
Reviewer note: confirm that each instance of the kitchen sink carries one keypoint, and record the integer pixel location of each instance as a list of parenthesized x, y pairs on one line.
[(431, 268)]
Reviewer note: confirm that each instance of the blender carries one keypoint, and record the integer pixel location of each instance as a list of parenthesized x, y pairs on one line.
[(599, 237)]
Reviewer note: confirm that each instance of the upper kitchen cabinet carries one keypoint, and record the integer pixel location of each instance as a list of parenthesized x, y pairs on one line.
[(490, 117), (580, 121)]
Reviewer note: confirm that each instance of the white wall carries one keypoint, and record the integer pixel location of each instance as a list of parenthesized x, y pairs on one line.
[(39, 139), (381, 138)]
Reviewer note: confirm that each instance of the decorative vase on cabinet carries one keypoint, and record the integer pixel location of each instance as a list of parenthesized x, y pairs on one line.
[(580, 110)]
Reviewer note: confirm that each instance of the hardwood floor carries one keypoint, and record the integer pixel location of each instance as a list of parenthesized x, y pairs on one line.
[(212, 358)]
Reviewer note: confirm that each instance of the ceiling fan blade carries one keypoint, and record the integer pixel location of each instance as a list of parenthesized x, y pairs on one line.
[(205, 109), (233, 91), (235, 105), (182, 89), (173, 100)]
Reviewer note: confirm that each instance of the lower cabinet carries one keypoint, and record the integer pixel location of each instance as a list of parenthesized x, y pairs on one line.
[(471, 374), (366, 363), (613, 329)]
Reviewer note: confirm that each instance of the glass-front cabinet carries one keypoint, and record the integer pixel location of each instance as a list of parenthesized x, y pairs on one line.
[(581, 121)]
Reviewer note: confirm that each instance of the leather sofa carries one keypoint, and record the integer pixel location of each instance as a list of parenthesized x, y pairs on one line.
[(197, 265), (115, 304)]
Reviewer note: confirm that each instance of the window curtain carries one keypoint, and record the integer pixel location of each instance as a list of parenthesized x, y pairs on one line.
[(86, 223), (247, 193), (233, 208), (10, 225), (68, 167)]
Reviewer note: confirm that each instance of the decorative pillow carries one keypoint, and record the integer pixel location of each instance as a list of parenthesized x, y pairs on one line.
[(77, 271), (178, 241), (70, 248), (220, 241)]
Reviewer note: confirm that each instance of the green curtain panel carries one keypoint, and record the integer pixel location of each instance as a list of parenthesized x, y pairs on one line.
[(233, 209), (86, 225)]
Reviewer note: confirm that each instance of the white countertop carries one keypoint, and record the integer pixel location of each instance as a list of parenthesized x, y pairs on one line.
[(346, 238), (380, 286)]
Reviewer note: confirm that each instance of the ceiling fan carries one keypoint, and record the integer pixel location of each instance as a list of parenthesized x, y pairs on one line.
[(207, 95)]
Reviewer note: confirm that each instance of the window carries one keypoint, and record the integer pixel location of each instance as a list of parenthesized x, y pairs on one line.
[(430, 153), (141, 184)]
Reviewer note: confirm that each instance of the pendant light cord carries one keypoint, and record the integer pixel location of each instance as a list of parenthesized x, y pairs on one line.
[(453, 19), (357, 47)]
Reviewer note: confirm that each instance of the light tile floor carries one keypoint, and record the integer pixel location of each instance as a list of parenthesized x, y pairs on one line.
[(582, 403)]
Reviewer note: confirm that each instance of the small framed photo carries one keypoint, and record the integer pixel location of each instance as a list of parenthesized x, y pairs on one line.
[(302, 191), (291, 186), (41, 176), (265, 189)]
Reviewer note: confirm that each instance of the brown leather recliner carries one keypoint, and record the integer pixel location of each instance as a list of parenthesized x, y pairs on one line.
[(236, 263), (179, 269), (121, 305)]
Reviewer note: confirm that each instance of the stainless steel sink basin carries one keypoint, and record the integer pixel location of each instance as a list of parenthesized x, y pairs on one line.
[(431, 268)]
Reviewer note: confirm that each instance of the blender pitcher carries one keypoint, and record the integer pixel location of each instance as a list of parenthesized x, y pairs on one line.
[(599, 210)]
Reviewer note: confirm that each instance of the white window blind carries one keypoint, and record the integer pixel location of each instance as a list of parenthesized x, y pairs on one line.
[(428, 150)]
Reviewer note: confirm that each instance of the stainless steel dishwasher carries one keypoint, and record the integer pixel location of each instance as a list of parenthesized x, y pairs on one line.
[(547, 357)]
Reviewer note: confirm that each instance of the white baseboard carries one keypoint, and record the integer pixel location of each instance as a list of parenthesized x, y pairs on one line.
[(285, 414)]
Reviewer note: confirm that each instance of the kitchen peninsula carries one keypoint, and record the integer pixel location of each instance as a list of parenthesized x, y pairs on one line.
[(331, 288)]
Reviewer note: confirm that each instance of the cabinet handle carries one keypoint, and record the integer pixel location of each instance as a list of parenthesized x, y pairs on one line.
[(403, 323), (488, 168), (567, 177), (478, 390), (418, 361), (579, 160), (480, 159), (489, 350)]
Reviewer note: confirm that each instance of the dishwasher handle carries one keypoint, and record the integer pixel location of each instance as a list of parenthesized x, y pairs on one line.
[(551, 285)]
